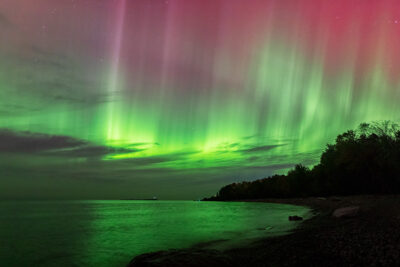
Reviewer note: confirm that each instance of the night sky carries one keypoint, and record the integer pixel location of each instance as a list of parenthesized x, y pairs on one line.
[(175, 98)]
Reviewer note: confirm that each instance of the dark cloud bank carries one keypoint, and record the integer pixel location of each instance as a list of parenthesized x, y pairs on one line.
[(54, 145)]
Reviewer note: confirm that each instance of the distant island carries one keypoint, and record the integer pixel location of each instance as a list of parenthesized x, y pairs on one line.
[(361, 161)]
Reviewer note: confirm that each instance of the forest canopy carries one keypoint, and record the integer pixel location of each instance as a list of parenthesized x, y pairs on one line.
[(361, 161)]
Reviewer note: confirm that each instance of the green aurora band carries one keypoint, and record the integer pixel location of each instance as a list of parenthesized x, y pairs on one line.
[(193, 88)]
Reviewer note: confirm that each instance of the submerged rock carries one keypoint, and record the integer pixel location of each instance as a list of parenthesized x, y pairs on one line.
[(346, 212), (295, 218)]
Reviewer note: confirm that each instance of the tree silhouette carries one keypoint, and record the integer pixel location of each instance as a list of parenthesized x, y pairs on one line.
[(362, 161)]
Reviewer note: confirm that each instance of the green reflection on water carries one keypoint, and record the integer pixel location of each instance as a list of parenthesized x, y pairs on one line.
[(110, 233)]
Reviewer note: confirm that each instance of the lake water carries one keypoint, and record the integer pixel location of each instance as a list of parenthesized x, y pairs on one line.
[(111, 233)]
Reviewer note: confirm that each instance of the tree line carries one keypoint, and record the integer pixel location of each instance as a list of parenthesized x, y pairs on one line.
[(361, 161)]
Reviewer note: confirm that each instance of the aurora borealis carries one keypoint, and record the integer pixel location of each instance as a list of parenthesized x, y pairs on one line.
[(174, 98)]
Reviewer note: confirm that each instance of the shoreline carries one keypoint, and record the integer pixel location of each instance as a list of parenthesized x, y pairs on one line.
[(371, 237)]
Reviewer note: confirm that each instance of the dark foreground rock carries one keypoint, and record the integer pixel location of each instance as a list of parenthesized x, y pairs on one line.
[(183, 258), (372, 238), (295, 218)]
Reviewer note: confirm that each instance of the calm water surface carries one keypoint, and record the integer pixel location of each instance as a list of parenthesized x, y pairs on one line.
[(110, 233)]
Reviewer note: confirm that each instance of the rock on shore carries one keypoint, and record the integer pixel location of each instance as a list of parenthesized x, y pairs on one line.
[(346, 212)]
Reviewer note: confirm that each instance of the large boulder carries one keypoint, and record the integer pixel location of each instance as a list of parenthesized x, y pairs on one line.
[(346, 212)]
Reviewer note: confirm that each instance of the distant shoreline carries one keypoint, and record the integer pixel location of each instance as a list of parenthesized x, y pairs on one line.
[(370, 238)]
